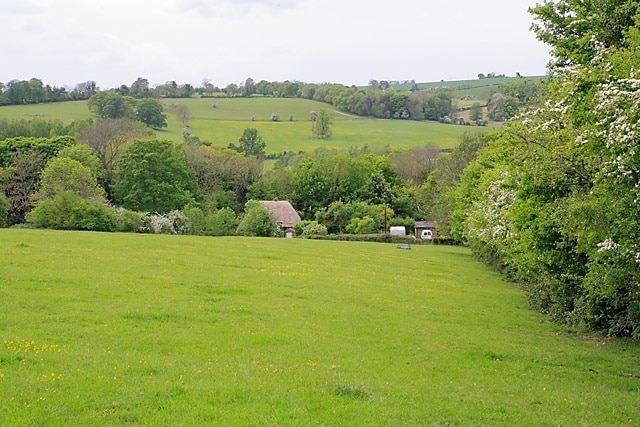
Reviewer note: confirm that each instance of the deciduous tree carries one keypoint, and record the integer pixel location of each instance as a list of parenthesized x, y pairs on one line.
[(257, 221), (251, 144), (155, 176), (150, 112), (109, 139), (321, 126), (65, 174)]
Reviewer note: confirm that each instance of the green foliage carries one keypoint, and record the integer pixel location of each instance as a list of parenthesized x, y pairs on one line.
[(108, 139), (571, 26), (65, 174), (321, 124), (47, 147), (150, 112), (355, 218), (221, 222), (553, 201), (257, 221), (35, 128), (128, 221), (475, 114), (155, 176), (223, 175), (501, 108), (69, 211), (83, 154), (110, 105), (327, 177), (20, 183), (4, 210), (364, 225), (308, 228), (251, 144)]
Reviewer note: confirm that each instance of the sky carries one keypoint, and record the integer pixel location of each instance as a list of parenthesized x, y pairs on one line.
[(66, 42)]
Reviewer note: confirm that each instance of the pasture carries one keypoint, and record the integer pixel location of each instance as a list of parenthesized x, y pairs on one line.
[(129, 329), (476, 89), (225, 124)]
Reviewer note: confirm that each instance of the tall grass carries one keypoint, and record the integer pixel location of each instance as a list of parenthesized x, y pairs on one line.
[(112, 329)]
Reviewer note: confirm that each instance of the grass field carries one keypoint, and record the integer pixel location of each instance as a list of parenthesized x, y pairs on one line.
[(225, 124), (65, 111), (479, 89), (126, 329)]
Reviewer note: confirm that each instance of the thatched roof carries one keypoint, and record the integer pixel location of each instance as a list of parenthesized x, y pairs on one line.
[(286, 214)]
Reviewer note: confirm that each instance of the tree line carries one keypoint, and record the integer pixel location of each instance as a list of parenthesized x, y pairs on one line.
[(34, 91), (552, 201), (373, 101)]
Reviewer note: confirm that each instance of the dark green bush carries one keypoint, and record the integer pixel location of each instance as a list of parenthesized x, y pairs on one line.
[(69, 211), (128, 221)]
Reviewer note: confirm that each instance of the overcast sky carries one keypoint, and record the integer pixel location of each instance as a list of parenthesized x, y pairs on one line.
[(65, 42)]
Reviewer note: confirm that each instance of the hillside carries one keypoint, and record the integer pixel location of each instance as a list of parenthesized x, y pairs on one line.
[(479, 89), (221, 121), (225, 123)]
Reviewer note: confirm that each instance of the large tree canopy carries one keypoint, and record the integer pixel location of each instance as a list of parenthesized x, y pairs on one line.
[(155, 176), (571, 26), (553, 202), (150, 112)]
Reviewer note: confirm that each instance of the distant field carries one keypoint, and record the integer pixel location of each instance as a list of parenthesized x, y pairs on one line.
[(129, 329), (65, 111), (475, 88), (225, 123)]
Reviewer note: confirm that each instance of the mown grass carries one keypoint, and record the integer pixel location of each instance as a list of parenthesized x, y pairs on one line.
[(115, 329)]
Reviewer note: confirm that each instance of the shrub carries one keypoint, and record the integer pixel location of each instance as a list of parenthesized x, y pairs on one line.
[(174, 222), (197, 219), (299, 227), (4, 210), (128, 221), (313, 229), (364, 225), (68, 211), (223, 222), (257, 221)]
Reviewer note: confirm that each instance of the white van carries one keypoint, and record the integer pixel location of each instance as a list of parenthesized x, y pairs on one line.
[(426, 235)]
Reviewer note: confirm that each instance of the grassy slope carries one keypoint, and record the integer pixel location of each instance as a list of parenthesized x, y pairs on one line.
[(225, 123), (65, 111), (476, 88), (104, 329)]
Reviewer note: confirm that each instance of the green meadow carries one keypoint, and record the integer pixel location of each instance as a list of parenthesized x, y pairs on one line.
[(225, 124), (65, 111), (130, 329)]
